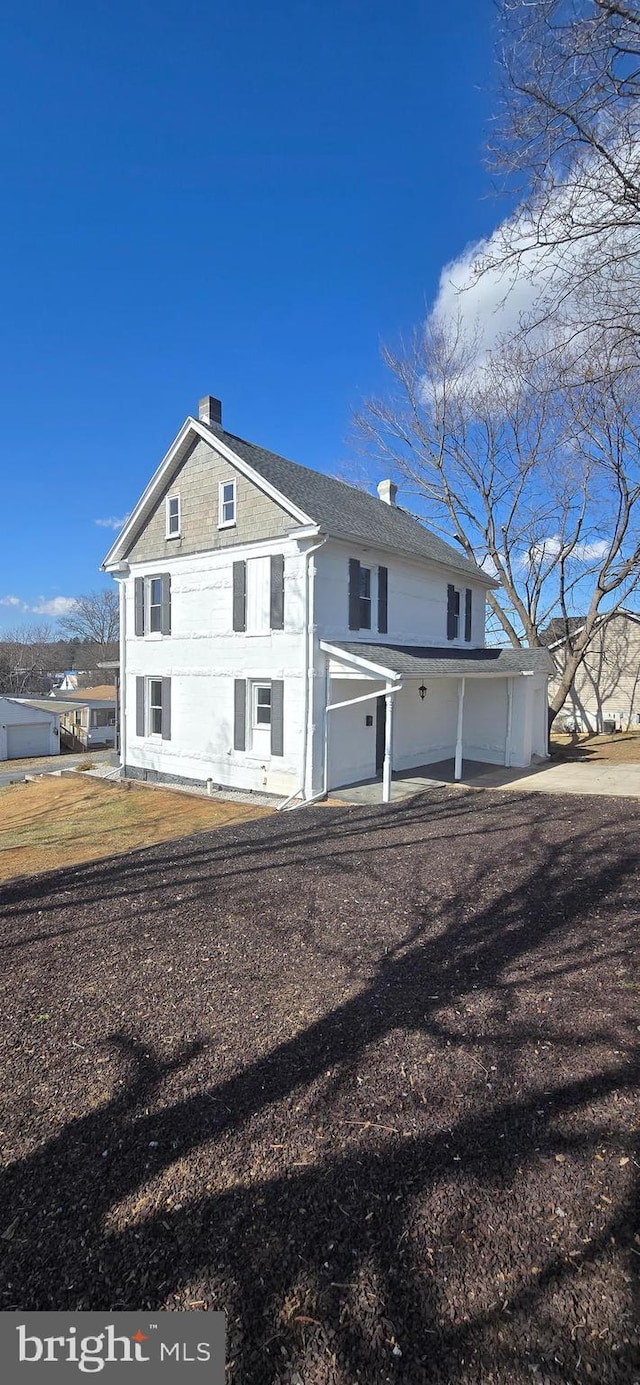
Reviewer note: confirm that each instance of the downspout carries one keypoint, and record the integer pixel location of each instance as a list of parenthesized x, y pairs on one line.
[(121, 714), (308, 673)]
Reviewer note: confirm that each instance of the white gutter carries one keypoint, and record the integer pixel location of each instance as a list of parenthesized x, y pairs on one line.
[(308, 673)]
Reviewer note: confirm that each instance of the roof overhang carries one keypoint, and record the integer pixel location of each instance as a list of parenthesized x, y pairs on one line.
[(426, 667), (192, 429)]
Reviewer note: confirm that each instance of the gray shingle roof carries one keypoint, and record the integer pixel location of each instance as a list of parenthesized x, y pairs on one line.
[(345, 511), (422, 661)]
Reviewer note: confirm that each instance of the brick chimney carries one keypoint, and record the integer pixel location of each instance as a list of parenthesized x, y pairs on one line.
[(210, 411), (387, 490)]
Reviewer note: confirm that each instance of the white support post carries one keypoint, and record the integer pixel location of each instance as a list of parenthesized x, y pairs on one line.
[(457, 770), (388, 747)]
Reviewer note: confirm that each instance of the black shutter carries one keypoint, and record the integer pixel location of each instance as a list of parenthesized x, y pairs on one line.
[(383, 576), (166, 709), (277, 717), (165, 623), (468, 597), (451, 612), (240, 597), (138, 588), (354, 594), (239, 712), (276, 620), (139, 706)]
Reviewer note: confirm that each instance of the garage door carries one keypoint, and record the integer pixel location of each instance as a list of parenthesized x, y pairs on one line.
[(28, 739)]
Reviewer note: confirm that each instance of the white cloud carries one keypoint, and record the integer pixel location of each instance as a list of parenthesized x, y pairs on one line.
[(531, 263), (586, 552), (14, 601), (111, 523), (55, 606)]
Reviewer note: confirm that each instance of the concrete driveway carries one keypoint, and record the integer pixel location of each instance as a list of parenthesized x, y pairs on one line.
[(560, 777)]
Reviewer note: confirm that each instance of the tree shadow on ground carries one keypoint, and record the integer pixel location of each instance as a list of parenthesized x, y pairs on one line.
[(418, 1239)]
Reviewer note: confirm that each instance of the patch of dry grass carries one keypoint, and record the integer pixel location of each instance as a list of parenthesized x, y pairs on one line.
[(620, 748), (60, 822)]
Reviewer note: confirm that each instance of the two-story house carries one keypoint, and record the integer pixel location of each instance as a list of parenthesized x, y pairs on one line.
[(283, 631)]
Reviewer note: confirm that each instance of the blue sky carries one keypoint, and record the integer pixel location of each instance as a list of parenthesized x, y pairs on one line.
[(230, 198)]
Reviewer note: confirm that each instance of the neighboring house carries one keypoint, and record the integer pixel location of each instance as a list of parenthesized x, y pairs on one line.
[(606, 689), (283, 631), (27, 730), (88, 718)]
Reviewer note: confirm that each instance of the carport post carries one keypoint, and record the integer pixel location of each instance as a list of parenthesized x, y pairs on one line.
[(388, 747), (457, 769)]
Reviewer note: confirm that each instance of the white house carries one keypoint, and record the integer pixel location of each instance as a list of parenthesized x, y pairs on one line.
[(283, 631), (26, 730)]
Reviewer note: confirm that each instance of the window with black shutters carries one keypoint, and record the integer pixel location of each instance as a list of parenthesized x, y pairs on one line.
[(365, 598), (453, 612), (152, 605)]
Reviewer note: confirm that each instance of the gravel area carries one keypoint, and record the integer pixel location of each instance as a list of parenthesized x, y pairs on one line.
[(366, 1078)]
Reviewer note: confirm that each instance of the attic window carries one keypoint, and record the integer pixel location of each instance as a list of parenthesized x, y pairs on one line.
[(173, 516), (226, 504)]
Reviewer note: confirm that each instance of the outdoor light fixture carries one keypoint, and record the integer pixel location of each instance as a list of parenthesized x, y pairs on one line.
[(423, 692)]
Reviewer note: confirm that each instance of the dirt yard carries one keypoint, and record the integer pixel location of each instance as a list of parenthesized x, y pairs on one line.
[(623, 748), (365, 1078), (62, 822)]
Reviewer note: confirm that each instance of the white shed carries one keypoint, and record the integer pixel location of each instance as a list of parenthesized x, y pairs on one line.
[(26, 730)]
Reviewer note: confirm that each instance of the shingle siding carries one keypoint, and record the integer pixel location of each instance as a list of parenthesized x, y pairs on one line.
[(197, 481)]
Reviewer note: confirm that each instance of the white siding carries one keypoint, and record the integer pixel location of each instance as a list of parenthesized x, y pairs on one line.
[(417, 599), (202, 657)]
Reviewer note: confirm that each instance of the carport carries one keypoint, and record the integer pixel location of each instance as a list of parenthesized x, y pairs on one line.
[(391, 708)]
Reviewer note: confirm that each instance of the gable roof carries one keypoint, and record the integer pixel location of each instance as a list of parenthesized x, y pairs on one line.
[(340, 510), (559, 630)]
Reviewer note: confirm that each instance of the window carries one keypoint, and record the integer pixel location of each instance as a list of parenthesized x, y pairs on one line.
[(365, 598), (258, 716), (153, 707), (103, 716), (154, 719), (453, 612), (154, 604), (173, 516), (261, 704), (152, 599), (226, 504), (359, 596)]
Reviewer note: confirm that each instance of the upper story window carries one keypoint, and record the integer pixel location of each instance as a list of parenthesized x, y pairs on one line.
[(361, 581), (453, 612), (365, 598), (226, 504), (152, 601), (154, 604), (173, 516)]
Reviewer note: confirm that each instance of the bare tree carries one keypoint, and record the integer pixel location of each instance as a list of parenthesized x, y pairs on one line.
[(539, 483), (569, 127), (94, 618), (25, 660)]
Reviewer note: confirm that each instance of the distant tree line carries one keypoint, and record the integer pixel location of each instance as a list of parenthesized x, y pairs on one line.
[(31, 656)]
